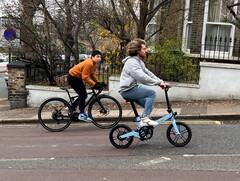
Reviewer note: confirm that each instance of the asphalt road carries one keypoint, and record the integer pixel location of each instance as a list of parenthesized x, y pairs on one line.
[(83, 152)]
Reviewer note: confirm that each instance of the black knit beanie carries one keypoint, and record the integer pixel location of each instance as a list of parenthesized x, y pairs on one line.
[(96, 52)]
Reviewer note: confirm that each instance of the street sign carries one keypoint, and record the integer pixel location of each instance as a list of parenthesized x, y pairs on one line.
[(9, 34)]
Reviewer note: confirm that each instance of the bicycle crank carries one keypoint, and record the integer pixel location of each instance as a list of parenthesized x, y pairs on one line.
[(146, 132)]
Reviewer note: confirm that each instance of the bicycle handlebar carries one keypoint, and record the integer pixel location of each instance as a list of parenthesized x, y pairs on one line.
[(166, 88), (103, 85), (96, 91)]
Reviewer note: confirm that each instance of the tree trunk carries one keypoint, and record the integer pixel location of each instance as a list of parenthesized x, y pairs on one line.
[(25, 33), (142, 21)]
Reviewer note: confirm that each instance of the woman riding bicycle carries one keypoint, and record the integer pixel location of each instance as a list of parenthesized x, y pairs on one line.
[(135, 79)]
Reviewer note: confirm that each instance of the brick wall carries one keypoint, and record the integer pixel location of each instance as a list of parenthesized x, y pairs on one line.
[(197, 25), (171, 20)]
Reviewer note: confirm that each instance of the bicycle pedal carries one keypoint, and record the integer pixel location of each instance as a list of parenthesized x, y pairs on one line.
[(75, 117)]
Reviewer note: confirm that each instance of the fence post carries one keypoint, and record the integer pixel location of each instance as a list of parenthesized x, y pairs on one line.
[(17, 75)]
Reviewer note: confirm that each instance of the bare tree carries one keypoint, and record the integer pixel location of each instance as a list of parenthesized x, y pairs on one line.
[(112, 16), (147, 10), (68, 25), (127, 18), (230, 7)]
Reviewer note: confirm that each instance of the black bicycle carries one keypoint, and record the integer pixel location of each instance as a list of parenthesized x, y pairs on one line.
[(56, 114)]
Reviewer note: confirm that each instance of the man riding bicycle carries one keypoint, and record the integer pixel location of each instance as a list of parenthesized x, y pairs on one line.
[(135, 79), (85, 72)]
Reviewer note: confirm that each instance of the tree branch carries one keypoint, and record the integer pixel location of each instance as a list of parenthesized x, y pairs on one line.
[(230, 8)]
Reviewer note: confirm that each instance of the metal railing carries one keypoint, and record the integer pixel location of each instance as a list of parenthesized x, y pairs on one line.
[(221, 49), (39, 75)]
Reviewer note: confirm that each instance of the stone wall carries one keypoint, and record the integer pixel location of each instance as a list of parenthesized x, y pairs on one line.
[(17, 93)]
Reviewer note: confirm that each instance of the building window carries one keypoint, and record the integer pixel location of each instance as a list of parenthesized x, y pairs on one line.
[(187, 27), (217, 32), (218, 37), (187, 42)]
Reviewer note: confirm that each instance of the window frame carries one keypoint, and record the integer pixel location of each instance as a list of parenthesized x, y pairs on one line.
[(186, 22), (205, 23)]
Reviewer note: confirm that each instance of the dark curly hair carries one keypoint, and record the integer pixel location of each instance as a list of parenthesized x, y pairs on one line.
[(134, 46)]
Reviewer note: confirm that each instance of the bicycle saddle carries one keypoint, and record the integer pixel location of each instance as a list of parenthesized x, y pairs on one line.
[(64, 88), (129, 100)]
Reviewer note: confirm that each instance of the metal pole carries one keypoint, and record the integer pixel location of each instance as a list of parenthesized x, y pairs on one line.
[(9, 54)]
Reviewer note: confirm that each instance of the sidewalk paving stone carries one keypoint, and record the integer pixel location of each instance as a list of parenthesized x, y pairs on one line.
[(199, 110)]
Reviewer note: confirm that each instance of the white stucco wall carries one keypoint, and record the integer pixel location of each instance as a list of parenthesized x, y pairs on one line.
[(37, 94), (217, 81)]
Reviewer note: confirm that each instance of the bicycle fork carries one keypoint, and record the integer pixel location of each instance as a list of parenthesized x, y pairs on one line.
[(175, 126)]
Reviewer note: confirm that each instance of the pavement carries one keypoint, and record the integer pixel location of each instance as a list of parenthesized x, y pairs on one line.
[(204, 112)]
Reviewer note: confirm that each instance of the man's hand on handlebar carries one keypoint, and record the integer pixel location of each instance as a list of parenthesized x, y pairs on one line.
[(98, 86), (103, 84), (164, 85)]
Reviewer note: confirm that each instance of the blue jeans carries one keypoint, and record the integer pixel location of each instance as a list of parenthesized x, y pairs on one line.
[(143, 96)]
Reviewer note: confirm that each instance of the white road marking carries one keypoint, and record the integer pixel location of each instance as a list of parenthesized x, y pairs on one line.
[(154, 161), (213, 155), (54, 146), (27, 146), (21, 159)]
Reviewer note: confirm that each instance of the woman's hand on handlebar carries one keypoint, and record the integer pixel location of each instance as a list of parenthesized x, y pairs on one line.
[(164, 85)]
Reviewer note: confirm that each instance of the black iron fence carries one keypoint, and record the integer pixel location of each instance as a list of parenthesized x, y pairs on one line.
[(40, 75), (218, 49), (221, 49)]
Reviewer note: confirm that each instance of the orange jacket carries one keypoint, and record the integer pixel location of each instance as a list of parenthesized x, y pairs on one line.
[(85, 71)]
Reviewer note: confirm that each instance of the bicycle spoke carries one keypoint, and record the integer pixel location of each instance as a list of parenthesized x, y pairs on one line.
[(115, 134), (54, 114), (179, 139), (105, 111)]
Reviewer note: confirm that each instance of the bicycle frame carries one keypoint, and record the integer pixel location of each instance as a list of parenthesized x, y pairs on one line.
[(94, 95), (170, 115)]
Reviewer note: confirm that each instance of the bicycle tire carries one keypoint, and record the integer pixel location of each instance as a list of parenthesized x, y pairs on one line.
[(107, 116), (116, 132), (179, 140), (54, 114)]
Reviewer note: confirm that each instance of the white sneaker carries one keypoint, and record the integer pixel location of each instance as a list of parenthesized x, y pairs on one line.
[(84, 117), (145, 121)]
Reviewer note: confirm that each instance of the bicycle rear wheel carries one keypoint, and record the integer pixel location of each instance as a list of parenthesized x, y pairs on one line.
[(105, 111), (116, 132), (54, 114)]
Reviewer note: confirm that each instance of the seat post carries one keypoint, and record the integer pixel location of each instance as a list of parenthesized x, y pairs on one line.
[(134, 109)]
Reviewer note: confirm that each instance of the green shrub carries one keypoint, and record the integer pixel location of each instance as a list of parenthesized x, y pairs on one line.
[(171, 64)]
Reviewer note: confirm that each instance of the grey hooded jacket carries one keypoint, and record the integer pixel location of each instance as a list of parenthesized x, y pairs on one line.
[(134, 72)]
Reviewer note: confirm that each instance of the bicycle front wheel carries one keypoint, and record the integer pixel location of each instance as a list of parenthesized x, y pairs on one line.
[(182, 139), (54, 114), (105, 111)]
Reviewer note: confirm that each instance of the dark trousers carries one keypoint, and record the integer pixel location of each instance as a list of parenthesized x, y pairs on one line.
[(79, 87)]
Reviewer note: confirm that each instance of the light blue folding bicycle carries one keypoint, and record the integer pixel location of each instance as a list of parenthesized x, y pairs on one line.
[(178, 134)]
